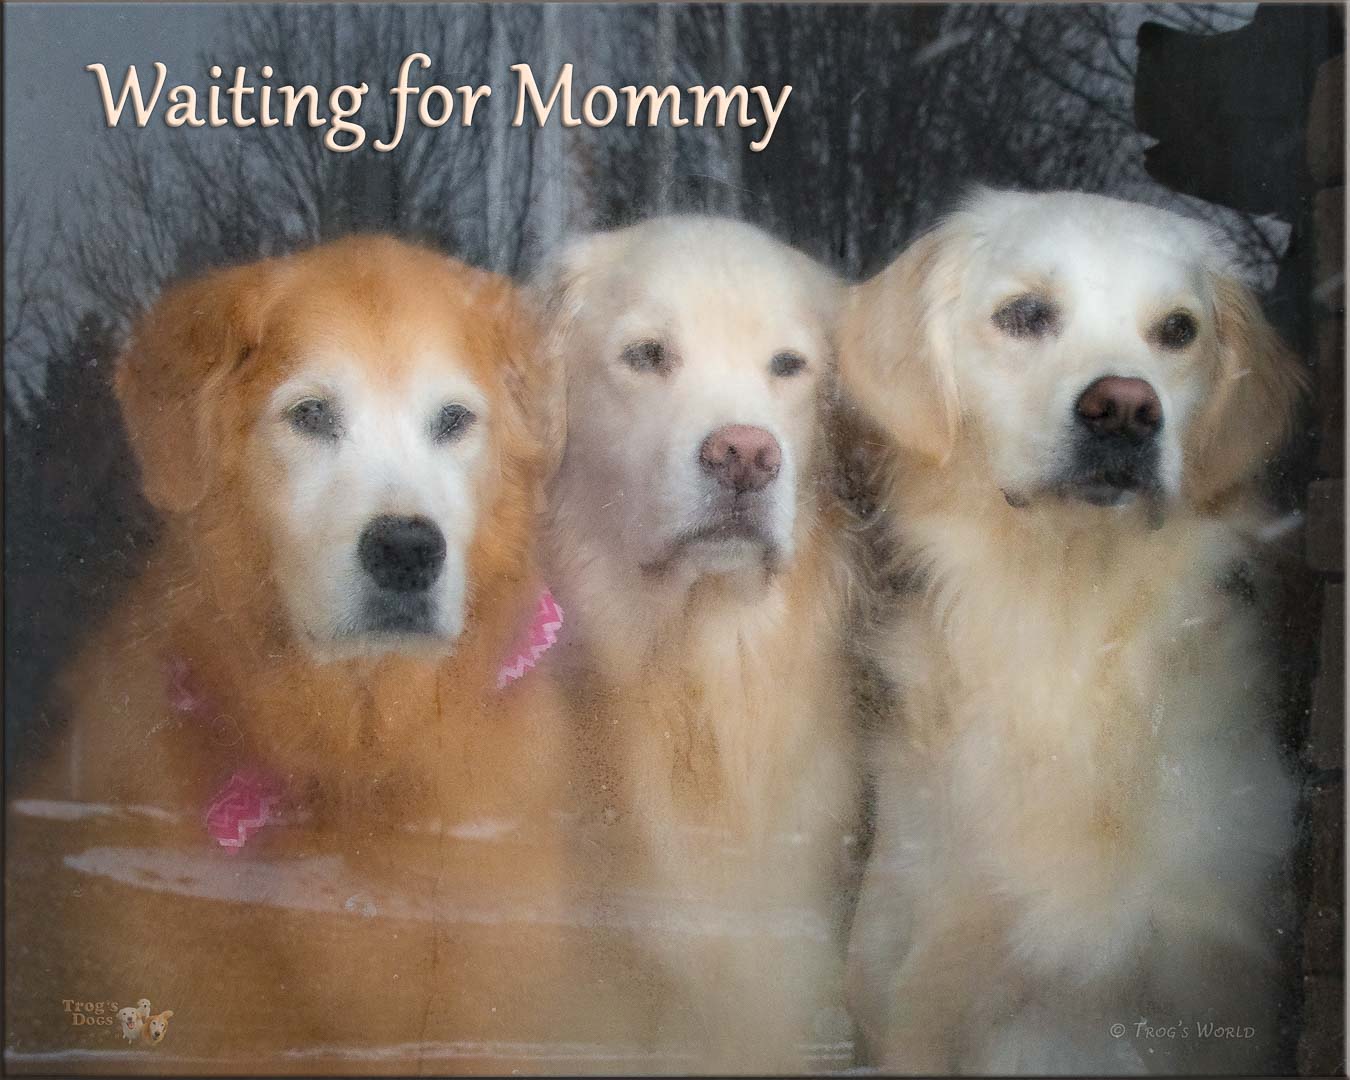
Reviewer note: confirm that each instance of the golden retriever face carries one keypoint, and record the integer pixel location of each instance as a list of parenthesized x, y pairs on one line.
[(157, 1027), (347, 418), (697, 353), (129, 1020), (1094, 350)]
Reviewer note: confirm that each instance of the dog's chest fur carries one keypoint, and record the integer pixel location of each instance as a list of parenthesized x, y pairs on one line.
[(730, 730), (726, 733), (1087, 736)]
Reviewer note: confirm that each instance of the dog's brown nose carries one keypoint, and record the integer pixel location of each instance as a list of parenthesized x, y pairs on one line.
[(741, 457), (1118, 406)]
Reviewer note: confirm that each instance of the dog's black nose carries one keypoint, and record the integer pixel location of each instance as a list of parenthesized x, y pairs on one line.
[(403, 554), (1118, 406)]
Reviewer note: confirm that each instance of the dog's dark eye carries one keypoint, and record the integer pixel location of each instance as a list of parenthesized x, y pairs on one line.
[(1177, 330), (786, 363), (314, 417), (452, 422), (1027, 316), (647, 356)]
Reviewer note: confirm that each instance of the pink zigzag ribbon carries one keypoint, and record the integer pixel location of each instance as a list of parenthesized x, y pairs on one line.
[(244, 805), (541, 636), (241, 808)]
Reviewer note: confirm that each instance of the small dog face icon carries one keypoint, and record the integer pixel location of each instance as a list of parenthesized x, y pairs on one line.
[(156, 1027), (143, 1007), (130, 1023)]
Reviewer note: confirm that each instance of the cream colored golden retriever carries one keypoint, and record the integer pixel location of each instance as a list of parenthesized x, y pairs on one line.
[(702, 559), (1082, 809)]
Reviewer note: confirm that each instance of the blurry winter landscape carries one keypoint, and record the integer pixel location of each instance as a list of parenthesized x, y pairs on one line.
[(895, 110)]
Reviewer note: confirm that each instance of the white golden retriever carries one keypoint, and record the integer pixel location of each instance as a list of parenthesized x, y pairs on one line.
[(702, 559), (1082, 810)]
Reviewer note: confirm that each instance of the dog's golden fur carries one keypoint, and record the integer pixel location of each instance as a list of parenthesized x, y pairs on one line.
[(362, 916), (714, 742), (1082, 808)]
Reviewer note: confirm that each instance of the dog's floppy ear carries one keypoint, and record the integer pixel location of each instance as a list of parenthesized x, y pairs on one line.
[(560, 291), (526, 371), (895, 353), (1247, 417), (563, 281), (178, 353)]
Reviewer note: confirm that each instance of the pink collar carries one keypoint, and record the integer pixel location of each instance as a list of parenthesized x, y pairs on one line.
[(540, 636), (248, 799)]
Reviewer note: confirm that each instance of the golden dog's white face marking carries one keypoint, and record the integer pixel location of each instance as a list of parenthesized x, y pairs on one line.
[(376, 476), (157, 1026), (1061, 291), (695, 353), (326, 417)]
